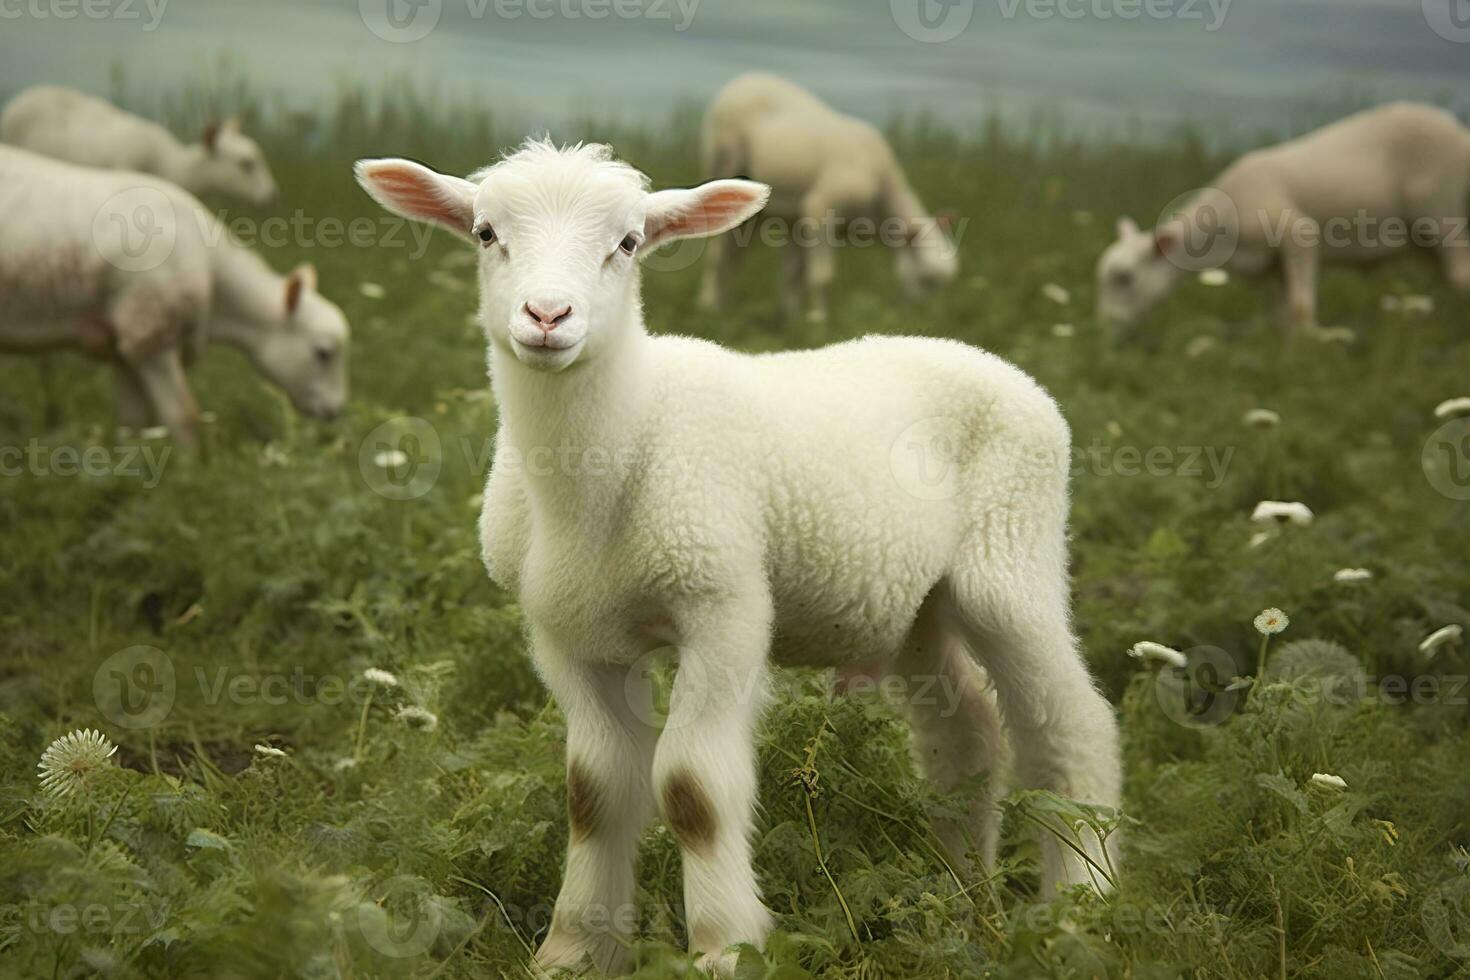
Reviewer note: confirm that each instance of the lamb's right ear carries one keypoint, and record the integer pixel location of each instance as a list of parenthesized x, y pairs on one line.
[(1126, 228), (699, 212), (414, 191), (210, 136)]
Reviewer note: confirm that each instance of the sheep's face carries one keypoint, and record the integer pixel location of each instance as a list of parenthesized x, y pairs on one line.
[(234, 164), (929, 258), (304, 349), (559, 232), (1133, 275)]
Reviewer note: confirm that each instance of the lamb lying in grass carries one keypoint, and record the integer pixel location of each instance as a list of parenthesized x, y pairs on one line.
[(133, 270), (889, 499), (827, 172), (69, 125), (1358, 190)]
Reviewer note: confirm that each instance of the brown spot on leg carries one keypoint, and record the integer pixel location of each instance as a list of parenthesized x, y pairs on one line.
[(688, 811), (584, 800)]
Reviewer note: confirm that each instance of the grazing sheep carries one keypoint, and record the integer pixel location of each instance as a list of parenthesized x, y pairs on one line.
[(1355, 191), (889, 499), (828, 173), (131, 269), (69, 125)]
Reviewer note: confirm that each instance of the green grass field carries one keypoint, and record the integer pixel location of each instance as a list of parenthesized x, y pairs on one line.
[(265, 576)]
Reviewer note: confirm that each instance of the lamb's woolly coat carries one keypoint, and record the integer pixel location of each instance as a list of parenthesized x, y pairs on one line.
[(1357, 190)]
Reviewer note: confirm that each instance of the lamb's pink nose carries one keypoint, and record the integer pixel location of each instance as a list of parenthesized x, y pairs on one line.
[(548, 321)]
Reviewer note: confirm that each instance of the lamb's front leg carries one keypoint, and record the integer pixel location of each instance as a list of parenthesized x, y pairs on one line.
[(609, 758), (705, 773)]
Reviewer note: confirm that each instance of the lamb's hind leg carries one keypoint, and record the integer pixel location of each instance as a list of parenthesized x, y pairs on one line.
[(956, 727), (1012, 600)]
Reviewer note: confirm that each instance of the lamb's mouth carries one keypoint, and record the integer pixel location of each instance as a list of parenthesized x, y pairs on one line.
[(546, 356)]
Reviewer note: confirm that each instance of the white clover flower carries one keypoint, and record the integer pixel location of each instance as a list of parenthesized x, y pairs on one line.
[(1328, 780), (1149, 650), (1063, 330), (268, 751), (1415, 303), (1262, 418), (1283, 510), (1351, 575), (1441, 637), (1214, 277), (70, 761), (1271, 621), (389, 458), (372, 290), (382, 678), (415, 717), (1057, 294), (1452, 407), (154, 432)]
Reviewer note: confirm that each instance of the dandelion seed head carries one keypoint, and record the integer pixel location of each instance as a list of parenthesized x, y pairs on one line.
[(72, 759), (1271, 621)]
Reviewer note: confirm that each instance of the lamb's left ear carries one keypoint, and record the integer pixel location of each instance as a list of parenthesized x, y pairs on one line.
[(699, 212), (301, 281), (414, 191)]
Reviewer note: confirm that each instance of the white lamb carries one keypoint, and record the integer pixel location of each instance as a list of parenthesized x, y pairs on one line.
[(69, 125), (656, 491), (133, 270), (1358, 190), (833, 179)]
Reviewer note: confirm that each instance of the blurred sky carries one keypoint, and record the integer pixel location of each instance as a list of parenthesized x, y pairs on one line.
[(1269, 64)]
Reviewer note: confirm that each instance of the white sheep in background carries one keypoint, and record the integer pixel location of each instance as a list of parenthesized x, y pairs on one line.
[(655, 491), (827, 172), (69, 125), (133, 270), (1357, 190)]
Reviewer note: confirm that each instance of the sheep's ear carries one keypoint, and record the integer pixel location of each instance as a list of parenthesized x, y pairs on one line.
[(699, 212), (1126, 228), (230, 125), (301, 280), (1163, 242), (414, 191), (210, 136)]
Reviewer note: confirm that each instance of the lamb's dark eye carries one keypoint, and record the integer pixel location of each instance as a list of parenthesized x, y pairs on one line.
[(248, 166), (1122, 278), (324, 355), (487, 234), (629, 244)]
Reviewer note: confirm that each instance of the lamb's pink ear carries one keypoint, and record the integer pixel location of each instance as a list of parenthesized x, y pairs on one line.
[(301, 280), (210, 136), (1126, 228), (1164, 241), (699, 212), (414, 191)]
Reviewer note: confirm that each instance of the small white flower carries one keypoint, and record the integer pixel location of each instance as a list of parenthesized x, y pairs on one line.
[(345, 763), (389, 458), (415, 717), (382, 678), (154, 432), (1200, 346), (1328, 780), (1390, 304), (1283, 510), (1260, 538), (268, 751), (372, 290), (274, 455), (1449, 408), (1271, 621), (1422, 305), (1149, 650), (70, 761), (1351, 575), (1335, 335), (1063, 330), (1057, 294), (1214, 277), (1441, 637), (1262, 418)]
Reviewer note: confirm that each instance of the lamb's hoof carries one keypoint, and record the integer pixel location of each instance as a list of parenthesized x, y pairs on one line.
[(577, 952)]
